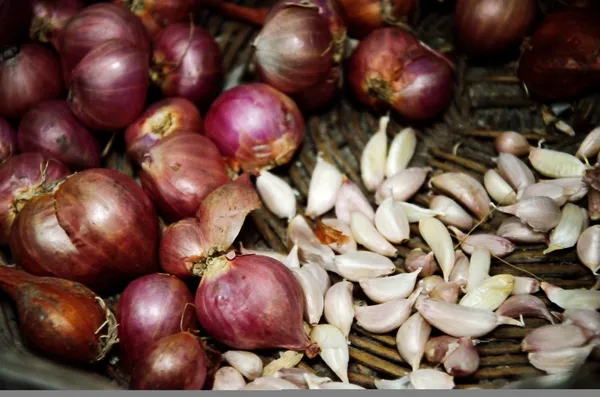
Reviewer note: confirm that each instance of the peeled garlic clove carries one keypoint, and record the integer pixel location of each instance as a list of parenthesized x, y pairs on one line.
[(525, 286), (513, 143), (460, 271), (276, 194), (431, 379), (585, 318), (498, 189), (335, 234), (310, 249), (299, 377), (490, 293), (437, 237), (292, 260), (526, 306), (417, 259), (575, 188), (402, 150), (339, 308), (515, 172), (351, 199), (464, 360), (572, 298), (385, 317), (445, 292), (588, 248), (556, 337), (396, 384), (560, 361), (573, 221), (479, 268), (359, 265), (334, 349), (427, 284), (320, 276), (228, 378), (454, 214), (247, 363), (590, 145), (411, 339), (374, 157), (461, 321), (391, 222), (466, 190), (324, 185), (440, 347), (546, 189), (540, 213), (390, 288), (555, 164), (313, 295), (366, 234), (402, 185), (270, 383), (340, 386), (414, 213), (516, 231)]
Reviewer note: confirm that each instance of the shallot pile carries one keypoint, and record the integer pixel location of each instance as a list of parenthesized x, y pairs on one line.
[(397, 252)]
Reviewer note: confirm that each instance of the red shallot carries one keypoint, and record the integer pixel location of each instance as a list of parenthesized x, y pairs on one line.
[(8, 140), (50, 18)]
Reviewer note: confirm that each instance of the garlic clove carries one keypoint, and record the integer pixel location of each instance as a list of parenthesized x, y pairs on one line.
[(396, 384), (556, 337), (359, 265), (454, 214), (573, 221), (271, 254), (464, 360), (588, 248), (417, 259), (460, 271), (340, 386), (573, 298), (555, 164), (490, 293), (498, 246), (270, 383), (366, 234), (437, 237), (525, 286), (247, 363), (374, 157), (292, 260), (498, 189), (415, 213), (385, 317), (466, 190), (402, 150), (445, 292), (313, 295), (334, 349), (517, 232), (310, 249), (542, 214), (320, 275), (575, 188), (277, 195), (228, 378), (590, 146), (351, 199), (390, 288), (546, 189), (299, 377), (402, 185), (439, 348), (515, 172), (431, 379), (585, 318), (479, 268), (526, 306), (560, 361), (411, 339), (339, 308), (427, 284), (336, 235), (325, 183), (461, 321), (513, 143), (391, 222)]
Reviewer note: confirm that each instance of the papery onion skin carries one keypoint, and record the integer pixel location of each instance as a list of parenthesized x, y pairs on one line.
[(95, 25), (561, 60), (161, 119), (50, 17), (98, 228), (15, 16), (157, 14), (151, 308), (390, 68), (270, 140), (8, 140), (109, 86), (253, 302), (294, 50), (52, 130), (364, 16), (176, 362), (186, 62), (21, 178), (180, 171), (28, 75), (488, 26)]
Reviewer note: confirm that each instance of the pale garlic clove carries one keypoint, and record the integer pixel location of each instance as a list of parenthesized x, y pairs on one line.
[(325, 183), (479, 268), (336, 235), (564, 128), (340, 386), (439, 348), (466, 190), (339, 308), (396, 384), (556, 337), (415, 213), (590, 146), (588, 248), (385, 317), (351, 199), (526, 306), (454, 214), (271, 254), (270, 383), (584, 318), (572, 298), (437, 237), (299, 377), (374, 157), (515, 172), (546, 189), (517, 232), (320, 275), (542, 214), (460, 271), (490, 293), (391, 222), (431, 379), (498, 189), (513, 143), (411, 339), (427, 284), (402, 150), (464, 360), (575, 188), (247, 363), (313, 295), (560, 361), (417, 259), (525, 286), (228, 378), (445, 292), (277, 195), (555, 164), (359, 265), (365, 234), (573, 221), (461, 321), (310, 249), (402, 185), (334, 349), (292, 260), (496, 245), (385, 289)]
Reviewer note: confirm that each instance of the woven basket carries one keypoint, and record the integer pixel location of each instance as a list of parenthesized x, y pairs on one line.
[(488, 98)]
